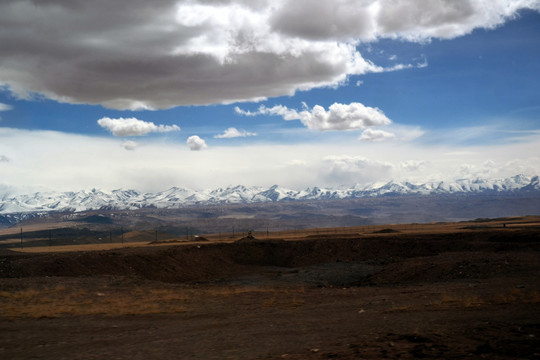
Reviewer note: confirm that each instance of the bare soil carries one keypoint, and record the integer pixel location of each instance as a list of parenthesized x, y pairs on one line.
[(449, 294)]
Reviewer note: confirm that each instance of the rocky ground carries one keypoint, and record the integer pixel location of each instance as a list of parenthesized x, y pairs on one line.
[(464, 293)]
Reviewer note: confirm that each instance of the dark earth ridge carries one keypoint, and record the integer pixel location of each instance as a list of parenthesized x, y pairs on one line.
[(216, 261)]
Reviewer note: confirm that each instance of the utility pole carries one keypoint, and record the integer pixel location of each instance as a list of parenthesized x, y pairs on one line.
[(50, 237), (122, 232), (21, 239)]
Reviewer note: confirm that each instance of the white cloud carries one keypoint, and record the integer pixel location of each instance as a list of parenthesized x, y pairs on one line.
[(338, 116), (347, 170), (406, 132), (406, 19), (129, 145), (413, 165), (133, 126), (161, 54), (195, 143), (486, 169), (420, 21), (5, 107), (234, 133), (297, 163), (422, 64), (459, 153), (376, 135)]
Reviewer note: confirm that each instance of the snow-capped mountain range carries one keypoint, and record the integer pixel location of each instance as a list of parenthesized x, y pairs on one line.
[(176, 197)]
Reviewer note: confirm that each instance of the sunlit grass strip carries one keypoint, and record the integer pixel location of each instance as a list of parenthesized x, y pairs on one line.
[(78, 247), (108, 301), (61, 301)]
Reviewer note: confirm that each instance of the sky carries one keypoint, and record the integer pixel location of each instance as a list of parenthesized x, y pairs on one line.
[(211, 93)]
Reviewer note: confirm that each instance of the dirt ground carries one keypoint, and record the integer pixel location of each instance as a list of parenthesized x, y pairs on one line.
[(471, 291)]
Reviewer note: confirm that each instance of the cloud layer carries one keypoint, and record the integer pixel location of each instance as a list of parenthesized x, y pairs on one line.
[(82, 162), (133, 126), (134, 54)]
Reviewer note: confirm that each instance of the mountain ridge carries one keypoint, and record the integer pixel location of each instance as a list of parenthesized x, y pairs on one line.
[(176, 197)]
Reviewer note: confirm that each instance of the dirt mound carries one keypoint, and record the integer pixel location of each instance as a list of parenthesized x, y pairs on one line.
[(453, 266), (172, 264), (386, 231), (405, 258), (247, 238), (6, 252)]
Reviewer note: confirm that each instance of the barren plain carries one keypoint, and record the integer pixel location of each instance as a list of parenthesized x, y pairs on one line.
[(446, 290)]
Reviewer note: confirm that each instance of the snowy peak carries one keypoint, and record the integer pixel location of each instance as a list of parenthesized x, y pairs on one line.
[(276, 193), (176, 197), (233, 194)]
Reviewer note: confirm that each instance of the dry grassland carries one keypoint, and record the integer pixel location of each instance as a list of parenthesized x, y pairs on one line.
[(439, 291), (146, 238)]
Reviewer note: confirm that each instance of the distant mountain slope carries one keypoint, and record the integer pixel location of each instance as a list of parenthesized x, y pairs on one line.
[(178, 197)]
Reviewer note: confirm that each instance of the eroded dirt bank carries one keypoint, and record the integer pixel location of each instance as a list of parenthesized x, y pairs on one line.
[(218, 261)]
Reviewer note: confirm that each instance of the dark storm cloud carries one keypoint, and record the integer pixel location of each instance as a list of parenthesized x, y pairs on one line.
[(130, 54)]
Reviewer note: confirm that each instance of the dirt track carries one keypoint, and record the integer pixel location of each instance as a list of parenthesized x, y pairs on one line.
[(471, 293)]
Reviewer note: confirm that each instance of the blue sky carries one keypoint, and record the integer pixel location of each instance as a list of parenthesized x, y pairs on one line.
[(296, 93)]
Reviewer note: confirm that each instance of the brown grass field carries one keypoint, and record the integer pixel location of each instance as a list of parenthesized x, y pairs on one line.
[(146, 238), (445, 290)]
